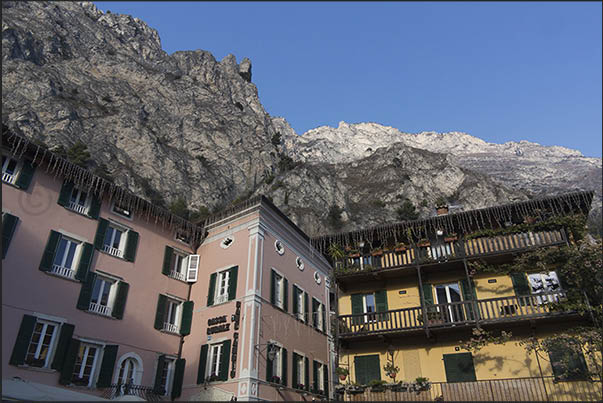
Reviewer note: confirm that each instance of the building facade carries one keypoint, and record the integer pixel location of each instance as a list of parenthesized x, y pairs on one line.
[(408, 296), (106, 295)]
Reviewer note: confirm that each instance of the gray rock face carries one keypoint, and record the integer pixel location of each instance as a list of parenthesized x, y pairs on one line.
[(186, 125)]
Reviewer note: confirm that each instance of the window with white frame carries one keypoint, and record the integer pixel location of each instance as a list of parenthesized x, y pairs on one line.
[(215, 358), (183, 236), (85, 364), (178, 266), (279, 291), (41, 344), (66, 257), (222, 287), (299, 299), (277, 364), (319, 316), (10, 168), (173, 313), (115, 240), (320, 373), (121, 209), (103, 296), (166, 373), (300, 371), (127, 371), (79, 201), (545, 283)]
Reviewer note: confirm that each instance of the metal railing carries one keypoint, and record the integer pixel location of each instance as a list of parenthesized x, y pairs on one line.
[(145, 392), (171, 328), (453, 314), (63, 271), (177, 275), (9, 178), (112, 251), (100, 309), (452, 250), (498, 390), (77, 208)]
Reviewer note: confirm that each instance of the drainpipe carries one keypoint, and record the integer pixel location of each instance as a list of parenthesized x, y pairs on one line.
[(423, 306)]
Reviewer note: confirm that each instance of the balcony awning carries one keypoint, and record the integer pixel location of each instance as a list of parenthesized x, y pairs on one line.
[(21, 389)]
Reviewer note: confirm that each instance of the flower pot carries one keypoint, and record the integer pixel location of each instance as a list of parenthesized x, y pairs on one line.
[(450, 238), (342, 377), (377, 253), (354, 254)]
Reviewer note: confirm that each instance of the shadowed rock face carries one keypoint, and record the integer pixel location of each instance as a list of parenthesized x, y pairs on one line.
[(186, 125)]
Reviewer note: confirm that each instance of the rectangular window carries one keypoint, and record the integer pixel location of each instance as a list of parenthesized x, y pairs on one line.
[(215, 356), (115, 241), (85, 364), (300, 372), (66, 257), (171, 322), (183, 236), (449, 294), (9, 170), (369, 307), (178, 266), (79, 201), (459, 367), (321, 377), (102, 296), (41, 344), (319, 314), (545, 283), (120, 209), (222, 286), (167, 375), (277, 364), (300, 305), (278, 290)]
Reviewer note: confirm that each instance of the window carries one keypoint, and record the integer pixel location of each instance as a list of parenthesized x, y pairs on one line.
[(319, 371), (102, 296), (85, 364), (276, 368), (449, 294), (114, 242), (226, 242), (545, 283), (171, 322), (367, 368), (67, 253), (318, 312), (165, 375), (367, 304), (213, 363), (79, 201), (301, 372), (278, 291), (222, 285), (183, 236), (179, 265), (567, 361), (300, 303), (9, 170), (121, 209), (127, 371), (459, 367), (41, 343), (215, 355)]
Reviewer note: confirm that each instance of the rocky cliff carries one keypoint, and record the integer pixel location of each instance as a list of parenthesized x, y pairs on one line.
[(188, 126)]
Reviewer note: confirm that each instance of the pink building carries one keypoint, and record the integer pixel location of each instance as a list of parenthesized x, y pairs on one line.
[(105, 294)]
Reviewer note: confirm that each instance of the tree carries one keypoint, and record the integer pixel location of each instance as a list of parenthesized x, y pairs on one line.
[(334, 217), (406, 211), (78, 154), (180, 208), (200, 215)]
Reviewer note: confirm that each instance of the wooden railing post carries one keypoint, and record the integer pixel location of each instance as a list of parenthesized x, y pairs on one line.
[(423, 307)]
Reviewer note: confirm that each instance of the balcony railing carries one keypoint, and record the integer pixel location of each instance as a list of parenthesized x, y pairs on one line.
[(112, 251), (146, 393), (177, 275), (63, 271), (536, 389), (100, 309), (9, 178), (452, 250), (169, 327), (452, 314), (78, 208)]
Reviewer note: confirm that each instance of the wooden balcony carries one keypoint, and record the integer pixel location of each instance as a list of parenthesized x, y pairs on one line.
[(456, 314), (450, 251)]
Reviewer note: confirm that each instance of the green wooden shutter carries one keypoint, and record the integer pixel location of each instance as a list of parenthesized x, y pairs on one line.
[(324, 318), (160, 313), (381, 303), (325, 373), (202, 364), (294, 376), (567, 364), (167, 260), (232, 283), (212, 289), (101, 230), (131, 246), (315, 383), (69, 362), (106, 369), (315, 305), (306, 308), (367, 368), (284, 367), (50, 250), (268, 366), (468, 295), (357, 308), (83, 301), (307, 373), (224, 360), (28, 324), (65, 194), (295, 300), (285, 295), (62, 345), (95, 206), (521, 286), (428, 294), (272, 287), (459, 367), (85, 262), (9, 223), (120, 300), (25, 176), (157, 386), (187, 318), (178, 377)]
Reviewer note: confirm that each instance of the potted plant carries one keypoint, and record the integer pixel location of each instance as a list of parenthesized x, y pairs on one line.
[(400, 387), (423, 242), (354, 253), (336, 252), (342, 373), (421, 384), (451, 237), (391, 370), (377, 385), (377, 252), (400, 247), (300, 386), (354, 389), (276, 379)]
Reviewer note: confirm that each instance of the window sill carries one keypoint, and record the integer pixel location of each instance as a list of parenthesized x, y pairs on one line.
[(177, 279), (101, 315), (172, 333), (116, 257), (11, 184), (78, 213), (37, 369), (221, 303), (62, 277)]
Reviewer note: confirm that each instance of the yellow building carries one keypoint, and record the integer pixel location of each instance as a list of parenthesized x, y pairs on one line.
[(408, 295)]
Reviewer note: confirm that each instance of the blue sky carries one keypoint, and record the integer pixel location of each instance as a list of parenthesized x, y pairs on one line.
[(501, 71)]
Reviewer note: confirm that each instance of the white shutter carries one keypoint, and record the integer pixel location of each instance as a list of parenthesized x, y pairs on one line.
[(192, 268)]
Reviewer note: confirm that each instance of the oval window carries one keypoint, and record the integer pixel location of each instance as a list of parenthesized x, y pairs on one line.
[(226, 242), (280, 249), (317, 277), (300, 263)]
